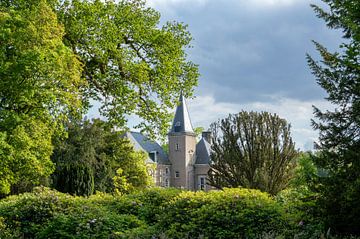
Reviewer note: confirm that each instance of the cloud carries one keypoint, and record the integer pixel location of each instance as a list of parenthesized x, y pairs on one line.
[(257, 3), (248, 49), (275, 3), (170, 4), (251, 56), (205, 109)]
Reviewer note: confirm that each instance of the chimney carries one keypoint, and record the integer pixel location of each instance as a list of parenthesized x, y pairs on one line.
[(207, 136)]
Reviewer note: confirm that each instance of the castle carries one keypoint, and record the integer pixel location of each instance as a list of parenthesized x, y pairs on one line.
[(187, 164)]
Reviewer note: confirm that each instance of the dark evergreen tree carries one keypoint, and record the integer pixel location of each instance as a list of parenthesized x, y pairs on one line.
[(252, 150), (339, 141), (87, 160)]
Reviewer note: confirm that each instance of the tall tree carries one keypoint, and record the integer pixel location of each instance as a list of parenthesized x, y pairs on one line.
[(252, 150), (39, 87), (339, 141), (131, 63), (88, 159)]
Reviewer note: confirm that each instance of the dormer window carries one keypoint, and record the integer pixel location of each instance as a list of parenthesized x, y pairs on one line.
[(152, 156), (177, 126)]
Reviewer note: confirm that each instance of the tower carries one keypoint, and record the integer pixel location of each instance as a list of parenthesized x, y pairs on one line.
[(182, 146)]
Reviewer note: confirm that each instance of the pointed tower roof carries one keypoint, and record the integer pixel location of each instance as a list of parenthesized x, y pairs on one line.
[(182, 122)]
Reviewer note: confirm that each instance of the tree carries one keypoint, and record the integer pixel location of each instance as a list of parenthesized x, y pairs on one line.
[(39, 87), (52, 66), (339, 141), (131, 64), (133, 174), (88, 159), (252, 150)]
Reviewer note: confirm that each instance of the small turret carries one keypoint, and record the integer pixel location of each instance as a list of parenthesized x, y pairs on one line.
[(182, 146)]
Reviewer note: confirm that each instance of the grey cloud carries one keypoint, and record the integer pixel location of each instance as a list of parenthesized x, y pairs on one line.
[(247, 53)]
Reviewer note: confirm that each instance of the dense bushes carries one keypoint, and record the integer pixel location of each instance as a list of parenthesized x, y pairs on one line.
[(151, 213), (50, 214), (232, 213)]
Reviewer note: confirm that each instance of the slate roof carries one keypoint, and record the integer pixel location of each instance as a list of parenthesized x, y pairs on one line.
[(203, 152), (141, 142), (182, 122)]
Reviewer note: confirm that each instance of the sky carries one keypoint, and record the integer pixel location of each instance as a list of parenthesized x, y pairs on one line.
[(251, 56)]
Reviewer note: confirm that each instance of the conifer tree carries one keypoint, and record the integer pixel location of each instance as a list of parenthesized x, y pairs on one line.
[(339, 141)]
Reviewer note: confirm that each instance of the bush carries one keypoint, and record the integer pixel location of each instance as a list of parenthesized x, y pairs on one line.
[(232, 213), (50, 214), (157, 213)]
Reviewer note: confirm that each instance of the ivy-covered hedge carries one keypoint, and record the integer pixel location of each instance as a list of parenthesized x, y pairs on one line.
[(152, 213)]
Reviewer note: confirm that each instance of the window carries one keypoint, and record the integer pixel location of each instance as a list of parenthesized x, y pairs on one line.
[(177, 147), (177, 174), (177, 127), (152, 156), (166, 171), (202, 183), (167, 183)]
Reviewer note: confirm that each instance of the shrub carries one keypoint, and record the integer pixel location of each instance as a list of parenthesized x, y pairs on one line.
[(157, 213), (91, 224), (50, 214), (146, 204), (232, 213)]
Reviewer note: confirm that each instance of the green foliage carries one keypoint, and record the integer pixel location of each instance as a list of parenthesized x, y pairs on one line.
[(40, 80), (339, 75), (305, 172), (6, 232), (49, 214), (132, 65), (92, 223), (113, 52), (76, 178), (198, 131), (232, 213), (151, 213), (133, 174), (88, 159), (252, 150), (147, 205), (299, 199)]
